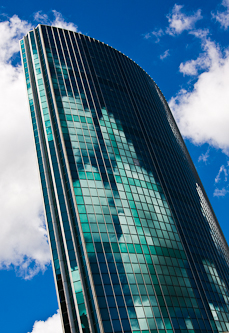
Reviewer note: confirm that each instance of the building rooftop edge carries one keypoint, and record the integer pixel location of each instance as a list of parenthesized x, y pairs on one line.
[(80, 33)]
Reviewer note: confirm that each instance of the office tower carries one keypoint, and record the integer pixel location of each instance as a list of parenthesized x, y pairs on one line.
[(135, 244)]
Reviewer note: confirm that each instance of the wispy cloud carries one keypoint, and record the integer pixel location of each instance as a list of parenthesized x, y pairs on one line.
[(147, 35), (41, 17), (220, 193), (164, 55), (178, 22), (156, 33), (57, 21), (223, 17), (221, 170), (204, 157), (51, 325), (23, 238)]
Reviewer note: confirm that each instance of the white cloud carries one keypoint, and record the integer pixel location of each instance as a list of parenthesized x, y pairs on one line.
[(23, 238), (192, 67), (202, 112), (10, 31), (204, 157), (179, 22), (221, 170), (164, 55), (58, 20), (147, 36), (208, 58), (220, 193), (200, 33), (51, 325), (223, 17), (156, 33), (41, 17)]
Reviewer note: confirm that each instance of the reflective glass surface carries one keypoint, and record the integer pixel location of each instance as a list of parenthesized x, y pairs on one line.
[(136, 246)]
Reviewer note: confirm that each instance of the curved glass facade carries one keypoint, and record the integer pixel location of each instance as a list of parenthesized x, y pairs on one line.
[(135, 244)]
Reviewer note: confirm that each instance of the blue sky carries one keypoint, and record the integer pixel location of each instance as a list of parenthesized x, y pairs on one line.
[(183, 46)]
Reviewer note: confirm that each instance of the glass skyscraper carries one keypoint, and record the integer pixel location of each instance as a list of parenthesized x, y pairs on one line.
[(135, 244)]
